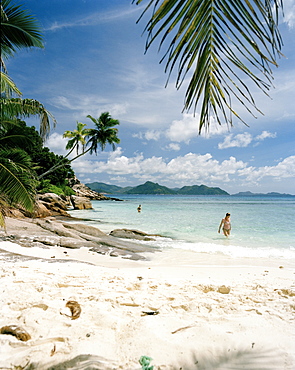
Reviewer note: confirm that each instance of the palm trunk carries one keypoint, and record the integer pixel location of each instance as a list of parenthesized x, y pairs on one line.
[(62, 164)]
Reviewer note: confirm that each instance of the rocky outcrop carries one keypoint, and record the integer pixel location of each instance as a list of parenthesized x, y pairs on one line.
[(82, 190), (44, 233), (51, 204), (79, 202)]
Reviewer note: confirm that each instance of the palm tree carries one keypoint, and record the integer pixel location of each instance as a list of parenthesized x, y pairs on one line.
[(218, 42), (76, 137), (103, 134), (19, 30)]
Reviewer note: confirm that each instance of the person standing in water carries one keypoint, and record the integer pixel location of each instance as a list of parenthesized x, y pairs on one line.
[(226, 225), (139, 208)]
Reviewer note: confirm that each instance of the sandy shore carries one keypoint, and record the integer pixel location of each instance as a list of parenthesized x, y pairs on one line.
[(182, 309)]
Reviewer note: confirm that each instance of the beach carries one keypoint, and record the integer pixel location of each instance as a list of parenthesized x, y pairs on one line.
[(181, 309)]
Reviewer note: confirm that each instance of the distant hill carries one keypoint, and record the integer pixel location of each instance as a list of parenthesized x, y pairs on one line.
[(201, 190), (154, 188), (100, 187), (272, 194), (150, 188)]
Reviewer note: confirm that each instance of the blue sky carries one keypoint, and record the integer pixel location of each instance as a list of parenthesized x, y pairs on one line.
[(94, 61)]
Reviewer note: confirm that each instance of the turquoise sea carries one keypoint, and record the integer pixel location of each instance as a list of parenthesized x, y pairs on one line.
[(262, 226)]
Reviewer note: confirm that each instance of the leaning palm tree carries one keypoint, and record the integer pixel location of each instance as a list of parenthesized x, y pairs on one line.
[(76, 137), (104, 133), (223, 46)]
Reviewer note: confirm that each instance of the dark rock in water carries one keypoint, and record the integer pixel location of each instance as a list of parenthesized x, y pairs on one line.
[(132, 234)]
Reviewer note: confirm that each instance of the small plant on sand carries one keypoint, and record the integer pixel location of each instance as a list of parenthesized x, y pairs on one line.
[(145, 363)]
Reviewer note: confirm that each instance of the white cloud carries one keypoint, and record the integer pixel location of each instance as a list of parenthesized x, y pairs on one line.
[(244, 140), (89, 104), (152, 135), (95, 18), (184, 170), (239, 141), (188, 128), (284, 169), (184, 129), (188, 169), (289, 13), (173, 146), (57, 143), (265, 135)]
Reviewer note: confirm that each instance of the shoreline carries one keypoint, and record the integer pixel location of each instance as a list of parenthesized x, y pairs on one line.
[(179, 307)]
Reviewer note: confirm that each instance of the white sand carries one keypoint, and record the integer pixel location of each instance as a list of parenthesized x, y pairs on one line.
[(197, 327)]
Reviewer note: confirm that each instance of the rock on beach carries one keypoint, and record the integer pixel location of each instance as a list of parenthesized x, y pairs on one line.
[(51, 232)]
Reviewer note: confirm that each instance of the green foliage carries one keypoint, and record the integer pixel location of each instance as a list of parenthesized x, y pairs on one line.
[(13, 108), (68, 191), (145, 363), (45, 186), (17, 182), (16, 134)]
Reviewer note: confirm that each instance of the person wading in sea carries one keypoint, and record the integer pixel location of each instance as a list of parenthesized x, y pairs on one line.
[(226, 225)]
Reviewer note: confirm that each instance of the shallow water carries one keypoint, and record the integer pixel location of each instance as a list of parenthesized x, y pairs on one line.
[(261, 226)]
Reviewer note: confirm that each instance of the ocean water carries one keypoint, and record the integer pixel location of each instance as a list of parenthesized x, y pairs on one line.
[(261, 226)]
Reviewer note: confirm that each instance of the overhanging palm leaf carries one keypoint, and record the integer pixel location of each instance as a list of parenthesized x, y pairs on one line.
[(19, 29), (23, 108), (217, 39)]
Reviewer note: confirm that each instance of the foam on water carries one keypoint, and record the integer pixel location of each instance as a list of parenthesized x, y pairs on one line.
[(226, 248)]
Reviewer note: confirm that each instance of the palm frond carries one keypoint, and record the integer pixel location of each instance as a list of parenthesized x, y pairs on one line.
[(221, 46), (8, 87), (19, 29), (17, 182), (23, 108)]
